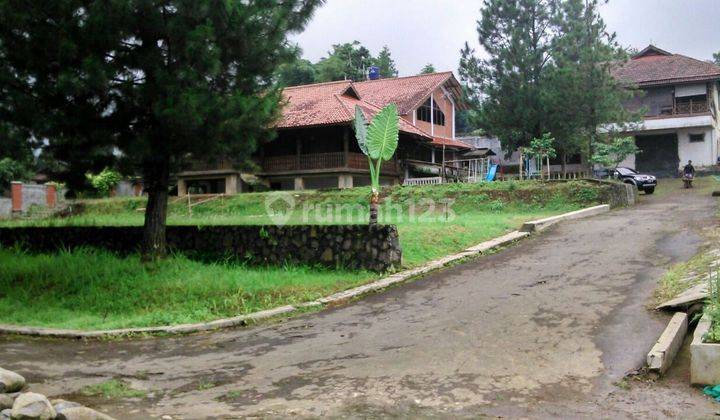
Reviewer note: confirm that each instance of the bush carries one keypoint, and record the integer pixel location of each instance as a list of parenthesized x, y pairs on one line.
[(105, 181), (12, 170)]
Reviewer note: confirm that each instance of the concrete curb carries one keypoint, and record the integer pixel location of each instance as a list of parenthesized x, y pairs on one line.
[(336, 298), (663, 352), (539, 225)]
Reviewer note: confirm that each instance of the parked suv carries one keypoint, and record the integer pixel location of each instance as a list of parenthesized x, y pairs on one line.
[(643, 182)]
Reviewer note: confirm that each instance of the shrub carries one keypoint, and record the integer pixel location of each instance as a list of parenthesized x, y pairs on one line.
[(105, 181)]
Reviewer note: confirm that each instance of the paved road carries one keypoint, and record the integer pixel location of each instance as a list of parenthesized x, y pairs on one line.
[(543, 329)]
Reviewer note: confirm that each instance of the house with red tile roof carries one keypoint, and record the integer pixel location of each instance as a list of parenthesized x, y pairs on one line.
[(316, 148), (678, 97)]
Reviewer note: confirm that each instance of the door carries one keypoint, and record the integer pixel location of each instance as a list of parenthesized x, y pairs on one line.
[(658, 155)]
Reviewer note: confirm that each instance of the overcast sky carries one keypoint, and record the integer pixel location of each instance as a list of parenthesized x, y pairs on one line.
[(433, 31)]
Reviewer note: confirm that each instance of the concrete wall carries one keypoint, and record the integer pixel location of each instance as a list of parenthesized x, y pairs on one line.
[(5, 207), (33, 194), (701, 153), (374, 248)]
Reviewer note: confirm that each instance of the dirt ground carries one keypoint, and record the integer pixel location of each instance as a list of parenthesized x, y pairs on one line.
[(548, 328)]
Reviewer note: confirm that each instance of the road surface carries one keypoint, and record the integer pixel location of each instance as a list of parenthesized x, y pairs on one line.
[(547, 328)]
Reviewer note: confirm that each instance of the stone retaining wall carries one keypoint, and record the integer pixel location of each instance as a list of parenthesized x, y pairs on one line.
[(375, 248)]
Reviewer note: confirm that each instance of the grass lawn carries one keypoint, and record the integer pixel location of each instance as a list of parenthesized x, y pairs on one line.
[(92, 289)]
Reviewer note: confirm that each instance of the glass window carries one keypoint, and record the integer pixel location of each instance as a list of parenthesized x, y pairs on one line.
[(423, 113), (697, 138)]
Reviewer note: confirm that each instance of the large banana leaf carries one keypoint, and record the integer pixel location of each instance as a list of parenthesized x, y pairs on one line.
[(382, 135), (361, 130)]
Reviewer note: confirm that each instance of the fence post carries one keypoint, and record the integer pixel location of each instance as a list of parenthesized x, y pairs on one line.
[(51, 195), (16, 196)]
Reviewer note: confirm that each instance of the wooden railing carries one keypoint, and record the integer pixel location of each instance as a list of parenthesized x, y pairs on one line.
[(423, 181), (686, 108), (333, 160)]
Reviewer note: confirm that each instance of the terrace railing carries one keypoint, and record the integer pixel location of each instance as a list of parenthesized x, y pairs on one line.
[(315, 161)]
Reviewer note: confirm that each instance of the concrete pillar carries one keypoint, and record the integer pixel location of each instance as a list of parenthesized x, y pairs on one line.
[(51, 195), (182, 187), (16, 196), (299, 184), (345, 181), (231, 182)]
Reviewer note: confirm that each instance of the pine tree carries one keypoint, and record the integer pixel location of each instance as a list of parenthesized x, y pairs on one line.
[(582, 92), (385, 63), (152, 81), (348, 61), (508, 85), (427, 69)]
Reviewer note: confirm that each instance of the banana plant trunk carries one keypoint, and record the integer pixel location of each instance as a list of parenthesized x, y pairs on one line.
[(374, 200)]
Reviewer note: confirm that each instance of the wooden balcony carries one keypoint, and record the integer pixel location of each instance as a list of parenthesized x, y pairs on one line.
[(321, 162), (686, 108)]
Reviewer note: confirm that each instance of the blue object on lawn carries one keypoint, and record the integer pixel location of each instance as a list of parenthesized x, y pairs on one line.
[(491, 173), (713, 391)]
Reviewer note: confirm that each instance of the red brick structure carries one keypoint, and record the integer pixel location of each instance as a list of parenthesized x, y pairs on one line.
[(16, 195), (51, 194)]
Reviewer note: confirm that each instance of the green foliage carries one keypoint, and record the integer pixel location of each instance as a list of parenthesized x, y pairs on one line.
[(105, 181), (112, 389), (345, 61), (152, 82), (542, 146), (382, 134), (297, 72), (428, 69), (609, 155), (716, 58), (379, 140), (712, 307), (12, 170), (351, 61), (547, 70), (87, 288), (385, 63)]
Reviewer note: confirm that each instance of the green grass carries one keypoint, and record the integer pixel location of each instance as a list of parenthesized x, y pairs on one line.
[(93, 289), (89, 289), (112, 389)]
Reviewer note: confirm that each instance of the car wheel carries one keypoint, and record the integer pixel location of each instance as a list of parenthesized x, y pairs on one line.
[(649, 190)]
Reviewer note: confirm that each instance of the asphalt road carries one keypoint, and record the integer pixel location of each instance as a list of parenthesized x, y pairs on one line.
[(546, 328)]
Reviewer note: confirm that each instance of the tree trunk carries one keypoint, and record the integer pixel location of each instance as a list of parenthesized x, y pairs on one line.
[(563, 162), (374, 200), (157, 180)]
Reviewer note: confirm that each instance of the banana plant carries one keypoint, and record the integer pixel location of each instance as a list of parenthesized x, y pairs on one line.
[(378, 142)]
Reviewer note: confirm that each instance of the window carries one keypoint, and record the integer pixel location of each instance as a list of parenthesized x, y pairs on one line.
[(697, 138), (423, 113)]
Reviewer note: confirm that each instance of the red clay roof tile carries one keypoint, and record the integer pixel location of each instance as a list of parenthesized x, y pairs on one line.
[(654, 66)]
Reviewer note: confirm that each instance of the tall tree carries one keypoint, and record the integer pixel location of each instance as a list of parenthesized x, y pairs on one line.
[(582, 93), (348, 61), (152, 81), (427, 69), (509, 84), (716, 58), (385, 63), (296, 72)]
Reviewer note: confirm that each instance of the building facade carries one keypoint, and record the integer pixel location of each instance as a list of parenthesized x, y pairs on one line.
[(677, 97), (316, 148)]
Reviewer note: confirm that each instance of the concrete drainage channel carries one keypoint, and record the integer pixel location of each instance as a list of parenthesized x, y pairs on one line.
[(337, 298), (704, 357)]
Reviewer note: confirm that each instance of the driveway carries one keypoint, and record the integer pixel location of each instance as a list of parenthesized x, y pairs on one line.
[(547, 328)]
